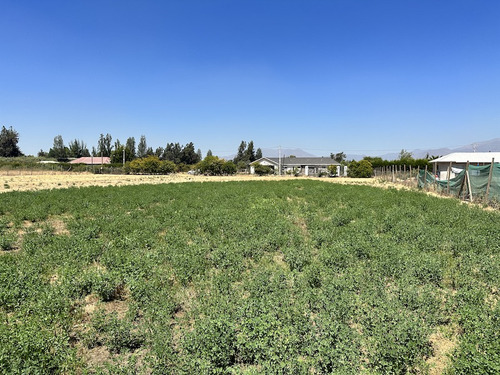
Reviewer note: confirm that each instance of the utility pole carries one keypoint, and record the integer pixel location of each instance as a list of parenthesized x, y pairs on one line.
[(123, 156)]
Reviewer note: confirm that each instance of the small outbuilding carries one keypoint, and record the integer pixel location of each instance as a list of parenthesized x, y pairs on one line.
[(457, 161), (309, 166)]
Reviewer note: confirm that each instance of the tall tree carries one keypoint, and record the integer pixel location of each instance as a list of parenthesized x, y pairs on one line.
[(240, 156), (142, 147), (258, 154), (403, 154), (173, 152), (104, 146), (338, 157), (130, 145), (9, 139), (58, 150), (200, 155), (188, 155), (250, 153), (117, 154), (209, 153), (159, 152), (77, 149)]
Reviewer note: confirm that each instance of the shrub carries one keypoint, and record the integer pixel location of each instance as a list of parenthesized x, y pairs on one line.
[(229, 168), (360, 169), (262, 169), (332, 169), (211, 165)]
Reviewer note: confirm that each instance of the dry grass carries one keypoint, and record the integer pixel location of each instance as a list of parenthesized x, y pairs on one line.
[(33, 181), (443, 343)]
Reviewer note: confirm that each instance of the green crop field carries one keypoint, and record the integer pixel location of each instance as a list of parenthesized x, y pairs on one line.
[(291, 277)]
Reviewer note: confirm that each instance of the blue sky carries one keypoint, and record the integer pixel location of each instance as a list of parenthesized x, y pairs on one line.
[(359, 76)]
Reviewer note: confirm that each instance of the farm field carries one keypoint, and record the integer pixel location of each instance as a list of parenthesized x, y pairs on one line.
[(247, 277), (28, 180)]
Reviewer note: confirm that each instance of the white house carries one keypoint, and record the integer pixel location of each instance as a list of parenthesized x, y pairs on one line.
[(310, 166)]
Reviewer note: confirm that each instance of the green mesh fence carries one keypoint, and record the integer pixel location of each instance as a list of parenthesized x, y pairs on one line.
[(458, 186)]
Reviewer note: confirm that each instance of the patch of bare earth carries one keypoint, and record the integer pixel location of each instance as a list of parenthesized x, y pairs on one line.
[(443, 343), (100, 355)]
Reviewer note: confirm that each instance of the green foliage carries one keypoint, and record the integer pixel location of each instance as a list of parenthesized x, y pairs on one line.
[(150, 165), (9, 138), (286, 277), (58, 150), (117, 155), (228, 168), (360, 169), (332, 170), (213, 166), (262, 170)]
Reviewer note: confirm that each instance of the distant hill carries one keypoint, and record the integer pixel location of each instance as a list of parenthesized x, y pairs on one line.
[(482, 146), (274, 153)]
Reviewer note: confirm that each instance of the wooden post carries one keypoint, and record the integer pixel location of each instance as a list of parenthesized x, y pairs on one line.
[(463, 181), (418, 174), (492, 165), (468, 180), (425, 176), (393, 176)]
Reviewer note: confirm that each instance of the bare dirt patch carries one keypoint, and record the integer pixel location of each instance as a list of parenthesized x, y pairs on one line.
[(442, 346)]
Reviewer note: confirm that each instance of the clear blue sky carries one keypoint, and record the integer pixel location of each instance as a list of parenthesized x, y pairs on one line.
[(323, 75)]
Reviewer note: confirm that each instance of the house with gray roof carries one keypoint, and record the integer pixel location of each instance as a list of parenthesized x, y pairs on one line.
[(306, 166)]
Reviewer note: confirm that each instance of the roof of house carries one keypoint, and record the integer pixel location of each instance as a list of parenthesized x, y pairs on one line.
[(96, 160), (472, 157), (310, 161)]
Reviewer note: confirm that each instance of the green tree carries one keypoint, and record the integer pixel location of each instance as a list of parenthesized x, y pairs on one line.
[(240, 155), (332, 170), (9, 139), (258, 154), (142, 147), (228, 168), (173, 152), (250, 153), (188, 154), (77, 149), (403, 154), (130, 146), (209, 153), (262, 169), (360, 169), (159, 152), (58, 150), (338, 157), (117, 155), (104, 146), (211, 165)]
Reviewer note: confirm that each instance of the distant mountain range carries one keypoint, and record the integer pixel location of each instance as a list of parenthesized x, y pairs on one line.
[(482, 146), (274, 153)]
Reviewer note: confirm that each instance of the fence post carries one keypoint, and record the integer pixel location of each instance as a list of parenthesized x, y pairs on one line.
[(489, 179), (425, 177), (468, 180), (463, 181)]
